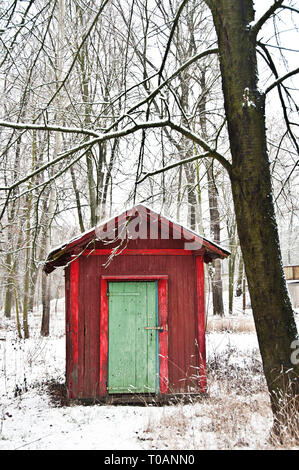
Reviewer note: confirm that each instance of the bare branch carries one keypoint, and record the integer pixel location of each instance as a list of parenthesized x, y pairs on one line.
[(124, 132), (175, 23), (281, 79), (22, 22), (88, 143), (62, 84), (259, 24), (167, 80), (173, 165), (287, 179), (272, 66), (195, 138)]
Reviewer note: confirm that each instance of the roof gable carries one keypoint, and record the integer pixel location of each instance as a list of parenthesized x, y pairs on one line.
[(139, 222)]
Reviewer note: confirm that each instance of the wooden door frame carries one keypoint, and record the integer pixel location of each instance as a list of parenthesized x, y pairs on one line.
[(162, 280)]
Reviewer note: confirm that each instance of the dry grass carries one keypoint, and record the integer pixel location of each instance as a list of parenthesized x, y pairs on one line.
[(236, 324), (287, 430), (227, 422), (232, 324), (236, 414)]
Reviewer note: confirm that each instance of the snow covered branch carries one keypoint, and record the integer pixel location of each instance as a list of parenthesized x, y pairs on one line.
[(40, 127), (88, 143)]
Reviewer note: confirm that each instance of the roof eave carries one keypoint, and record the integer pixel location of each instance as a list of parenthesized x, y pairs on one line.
[(213, 250)]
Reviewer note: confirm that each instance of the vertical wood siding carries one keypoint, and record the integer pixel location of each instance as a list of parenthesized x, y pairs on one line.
[(68, 342), (74, 329), (182, 319), (163, 336), (201, 323), (103, 345)]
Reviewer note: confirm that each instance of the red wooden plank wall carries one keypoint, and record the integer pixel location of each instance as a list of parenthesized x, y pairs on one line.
[(68, 342), (103, 356), (84, 371), (89, 328), (163, 336), (73, 329)]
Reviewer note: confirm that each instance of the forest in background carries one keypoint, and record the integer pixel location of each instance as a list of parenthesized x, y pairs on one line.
[(106, 105)]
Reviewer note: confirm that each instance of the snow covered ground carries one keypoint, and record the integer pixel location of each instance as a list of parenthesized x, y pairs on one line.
[(237, 404)]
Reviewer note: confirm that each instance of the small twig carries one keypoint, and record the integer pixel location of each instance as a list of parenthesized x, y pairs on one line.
[(31, 442)]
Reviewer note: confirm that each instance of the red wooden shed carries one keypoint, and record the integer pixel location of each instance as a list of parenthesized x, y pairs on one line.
[(135, 311)]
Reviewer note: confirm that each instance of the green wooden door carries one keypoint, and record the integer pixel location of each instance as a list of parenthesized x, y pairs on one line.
[(132, 350)]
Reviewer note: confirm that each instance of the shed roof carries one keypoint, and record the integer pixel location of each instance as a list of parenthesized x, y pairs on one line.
[(60, 255)]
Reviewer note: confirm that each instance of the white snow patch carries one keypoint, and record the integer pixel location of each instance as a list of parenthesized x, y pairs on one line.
[(247, 101), (29, 420)]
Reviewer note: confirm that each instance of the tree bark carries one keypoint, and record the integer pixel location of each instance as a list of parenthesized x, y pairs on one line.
[(45, 327), (231, 230), (78, 202), (8, 297), (217, 291), (215, 233), (239, 287), (252, 195), (28, 245)]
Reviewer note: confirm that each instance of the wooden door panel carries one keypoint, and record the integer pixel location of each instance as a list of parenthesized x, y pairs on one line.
[(132, 348)]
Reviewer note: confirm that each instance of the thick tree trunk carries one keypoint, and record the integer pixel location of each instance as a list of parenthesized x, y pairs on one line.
[(252, 194)]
